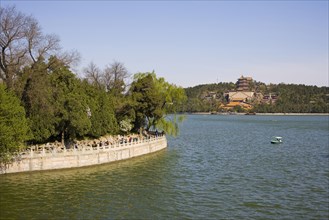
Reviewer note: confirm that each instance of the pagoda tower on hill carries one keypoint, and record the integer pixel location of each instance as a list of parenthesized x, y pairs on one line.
[(243, 83)]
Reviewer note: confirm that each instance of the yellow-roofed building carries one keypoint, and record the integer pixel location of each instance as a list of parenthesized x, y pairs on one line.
[(231, 105), (240, 96)]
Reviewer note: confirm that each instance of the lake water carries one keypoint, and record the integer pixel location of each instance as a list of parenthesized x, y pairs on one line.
[(220, 167)]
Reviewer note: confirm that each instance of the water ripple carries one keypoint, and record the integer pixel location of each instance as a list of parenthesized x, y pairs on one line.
[(221, 167)]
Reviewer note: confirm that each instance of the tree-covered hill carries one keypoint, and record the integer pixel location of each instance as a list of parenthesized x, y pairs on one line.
[(297, 99), (291, 98)]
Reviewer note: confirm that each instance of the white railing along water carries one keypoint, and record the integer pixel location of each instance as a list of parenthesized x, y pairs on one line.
[(53, 149)]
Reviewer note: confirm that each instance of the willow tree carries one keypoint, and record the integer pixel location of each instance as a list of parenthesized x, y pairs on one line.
[(154, 99)]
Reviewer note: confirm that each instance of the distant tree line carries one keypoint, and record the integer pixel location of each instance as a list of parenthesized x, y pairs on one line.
[(195, 97), (42, 100), (294, 98)]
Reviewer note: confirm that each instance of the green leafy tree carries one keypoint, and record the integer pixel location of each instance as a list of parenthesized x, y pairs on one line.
[(100, 110), (154, 99), (124, 107), (71, 105), (126, 125), (238, 108), (13, 125), (38, 101), (147, 101)]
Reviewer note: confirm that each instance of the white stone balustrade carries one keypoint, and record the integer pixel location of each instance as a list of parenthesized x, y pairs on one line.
[(54, 156)]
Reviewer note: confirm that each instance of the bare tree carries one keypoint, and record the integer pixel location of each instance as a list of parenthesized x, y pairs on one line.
[(69, 57), (93, 74), (12, 42), (119, 71), (114, 76), (23, 43), (107, 78)]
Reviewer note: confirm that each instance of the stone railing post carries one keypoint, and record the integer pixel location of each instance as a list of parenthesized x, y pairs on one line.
[(64, 150), (31, 154)]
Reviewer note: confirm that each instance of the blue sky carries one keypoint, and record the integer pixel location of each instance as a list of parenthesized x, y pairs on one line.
[(195, 42)]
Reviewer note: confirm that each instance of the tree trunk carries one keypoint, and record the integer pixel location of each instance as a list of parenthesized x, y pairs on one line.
[(63, 135)]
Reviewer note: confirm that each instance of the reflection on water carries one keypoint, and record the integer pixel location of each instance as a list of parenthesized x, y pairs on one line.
[(219, 167)]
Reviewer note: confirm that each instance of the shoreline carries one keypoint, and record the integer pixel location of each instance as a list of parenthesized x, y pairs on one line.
[(295, 114), (46, 158), (261, 114)]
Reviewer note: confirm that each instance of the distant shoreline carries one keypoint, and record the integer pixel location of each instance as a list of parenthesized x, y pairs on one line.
[(295, 114), (263, 114)]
